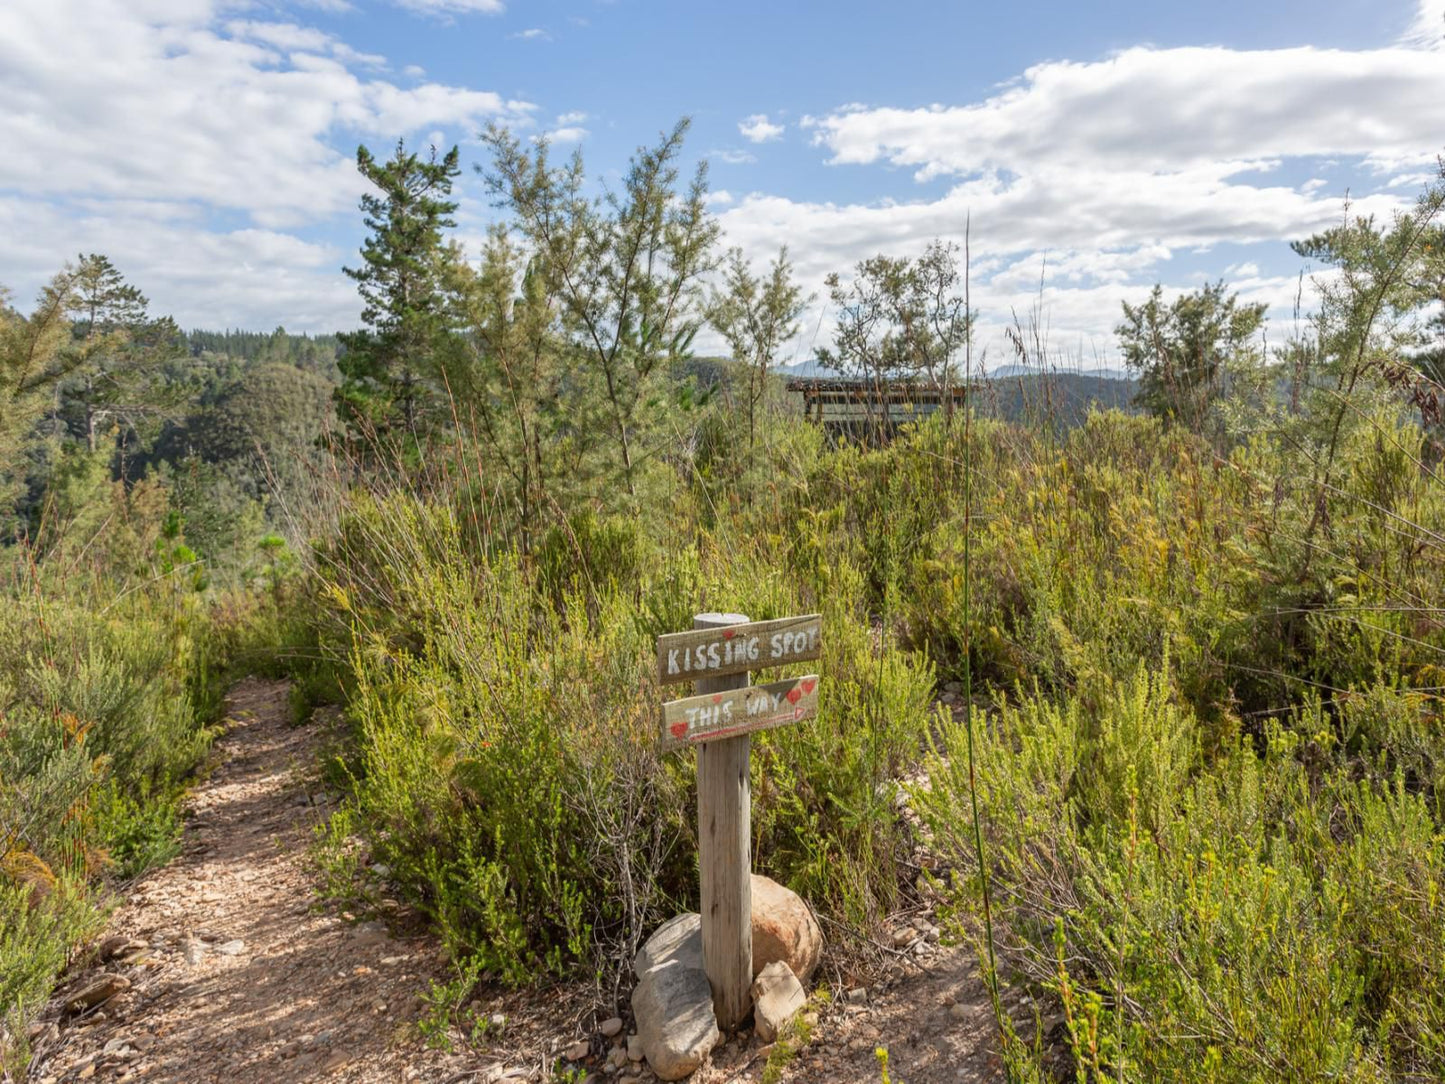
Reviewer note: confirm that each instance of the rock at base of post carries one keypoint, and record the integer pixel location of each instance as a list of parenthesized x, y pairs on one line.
[(784, 929), (777, 998), (672, 1002)]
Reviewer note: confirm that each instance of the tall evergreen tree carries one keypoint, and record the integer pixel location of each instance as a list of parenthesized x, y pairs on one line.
[(386, 365), (33, 362), (120, 358)]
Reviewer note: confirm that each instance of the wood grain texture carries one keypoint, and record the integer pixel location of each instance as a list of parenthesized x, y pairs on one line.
[(724, 813), (737, 647), (717, 715)]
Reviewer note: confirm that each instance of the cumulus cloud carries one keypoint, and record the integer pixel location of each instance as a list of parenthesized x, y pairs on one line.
[(758, 129), (171, 136), (1086, 180), (157, 100)]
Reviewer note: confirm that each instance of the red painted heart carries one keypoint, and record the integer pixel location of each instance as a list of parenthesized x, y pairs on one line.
[(794, 695), (717, 698), (679, 730), (728, 634), (809, 685)]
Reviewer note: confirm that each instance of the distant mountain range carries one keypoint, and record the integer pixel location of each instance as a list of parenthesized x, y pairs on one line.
[(811, 368)]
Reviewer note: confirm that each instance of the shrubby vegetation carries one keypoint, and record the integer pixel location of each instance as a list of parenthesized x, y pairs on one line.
[(1195, 781)]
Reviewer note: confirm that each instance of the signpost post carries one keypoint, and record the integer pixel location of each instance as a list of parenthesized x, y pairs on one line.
[(717, 656)]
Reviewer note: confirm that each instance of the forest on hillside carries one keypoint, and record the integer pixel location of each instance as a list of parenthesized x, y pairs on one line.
[(1191, 804)]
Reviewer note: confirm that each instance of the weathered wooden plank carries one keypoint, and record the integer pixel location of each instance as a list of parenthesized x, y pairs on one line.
[(724, 818), (737, 648), (713, 716)]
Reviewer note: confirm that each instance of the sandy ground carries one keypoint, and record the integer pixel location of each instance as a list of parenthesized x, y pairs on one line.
[(233, 971)]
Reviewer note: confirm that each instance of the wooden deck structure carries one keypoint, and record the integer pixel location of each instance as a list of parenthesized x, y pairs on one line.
[(867, 409)]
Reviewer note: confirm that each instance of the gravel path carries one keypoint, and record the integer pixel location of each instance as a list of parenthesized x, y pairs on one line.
[(232, 973)]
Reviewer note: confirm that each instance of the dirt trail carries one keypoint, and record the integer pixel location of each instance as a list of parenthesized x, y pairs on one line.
[(239, 977), (233, 973)]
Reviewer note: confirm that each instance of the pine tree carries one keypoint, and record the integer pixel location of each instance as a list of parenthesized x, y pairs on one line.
[(385, 366), (120, 357)]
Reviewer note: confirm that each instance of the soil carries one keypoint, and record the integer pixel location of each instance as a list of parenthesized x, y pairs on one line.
[(234, 969)]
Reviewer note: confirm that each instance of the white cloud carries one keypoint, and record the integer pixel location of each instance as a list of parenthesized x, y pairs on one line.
[(572, 134), (447, 8), (186, 144), (534, 33), (252, 278), (574, 117), (1165, 110), (1108, 175), (1428, 29), (733, 157), (157, 100), (758, 129)]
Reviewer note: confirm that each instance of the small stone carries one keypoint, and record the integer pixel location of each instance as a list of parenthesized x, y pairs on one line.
[(381, 870), (903, 937), (231, 948), (102, 989), (577, 1051), (858, 995), (617, 1057), (958, 1011), (497, 1021), (634, 1048), (372, 933), (194, 951), (611, 1026), (119, 945), (777, 998)]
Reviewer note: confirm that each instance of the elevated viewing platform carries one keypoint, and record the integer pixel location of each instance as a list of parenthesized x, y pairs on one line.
[(852, 406)]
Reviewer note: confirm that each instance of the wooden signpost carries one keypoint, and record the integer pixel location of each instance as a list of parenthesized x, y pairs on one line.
[(717, 655)]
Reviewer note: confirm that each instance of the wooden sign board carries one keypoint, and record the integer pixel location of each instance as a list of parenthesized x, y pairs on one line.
[(738, 711), (736, 649)]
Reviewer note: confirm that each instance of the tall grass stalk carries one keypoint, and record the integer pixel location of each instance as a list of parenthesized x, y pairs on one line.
[(992, 977)]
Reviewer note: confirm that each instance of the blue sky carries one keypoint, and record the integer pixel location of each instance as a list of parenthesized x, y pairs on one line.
[(207, 146)]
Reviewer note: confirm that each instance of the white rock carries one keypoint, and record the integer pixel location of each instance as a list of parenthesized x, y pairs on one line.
[(777, 998), (675, 1020)]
